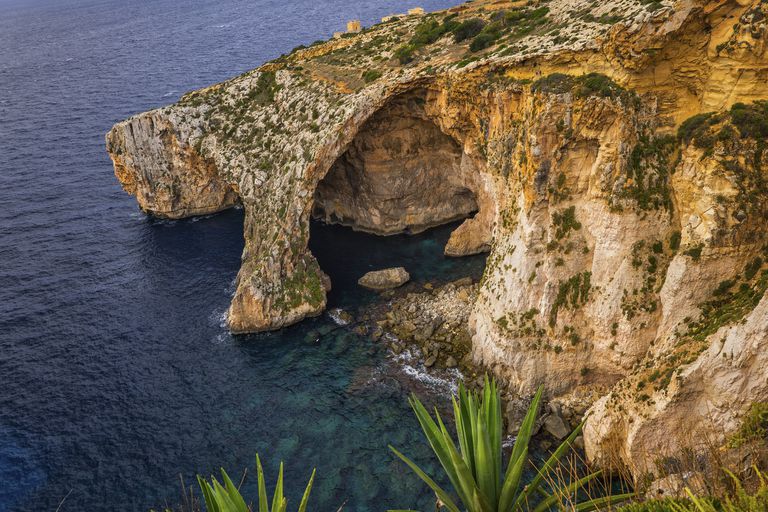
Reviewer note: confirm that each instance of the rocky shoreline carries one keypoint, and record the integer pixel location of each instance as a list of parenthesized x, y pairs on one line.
[(427, 325)]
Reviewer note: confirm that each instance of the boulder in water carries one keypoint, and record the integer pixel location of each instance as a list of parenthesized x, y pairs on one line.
[(384, 279)]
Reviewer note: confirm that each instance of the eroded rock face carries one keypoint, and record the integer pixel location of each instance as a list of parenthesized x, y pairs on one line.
[(154, 161), (627, 266)]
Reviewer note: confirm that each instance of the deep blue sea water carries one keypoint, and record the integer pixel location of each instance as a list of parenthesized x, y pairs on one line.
[(116, 373)]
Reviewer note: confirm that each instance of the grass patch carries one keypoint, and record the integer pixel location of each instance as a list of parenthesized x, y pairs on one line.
[(571, 294), (648, 169), (730, 304), (468, 29), (371, 75), (583, 86), (754, 426)]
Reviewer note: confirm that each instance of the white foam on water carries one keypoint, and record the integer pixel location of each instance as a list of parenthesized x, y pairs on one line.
[(200, 217), (218, 318), (389, 337), (441, 381), (222, 338), (335, 315), (231, 287), (444, 384), (508, 442)]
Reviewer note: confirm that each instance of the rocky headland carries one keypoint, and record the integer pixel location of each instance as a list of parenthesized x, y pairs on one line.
[(609, 156)]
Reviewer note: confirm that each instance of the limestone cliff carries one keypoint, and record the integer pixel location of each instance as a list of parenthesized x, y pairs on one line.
[(610, 156)]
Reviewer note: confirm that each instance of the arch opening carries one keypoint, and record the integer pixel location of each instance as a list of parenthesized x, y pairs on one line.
[(400, 174)]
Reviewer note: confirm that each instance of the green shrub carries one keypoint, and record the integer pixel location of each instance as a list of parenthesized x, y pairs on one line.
[(751, 120), (752, 268), (227, 498), (694, 252), (571, 294), (731, 306), (693, 125), (591, 84), (265, 90), (754, 426), (674, 240), (475, 468), (483, 41), (556, 83), (371, 75), (468, 29), (739, 501), (661, 505), (649, 167), (596, 84), (565, 221), (723, 287), (525, 20), (427, 32), (404, 54)]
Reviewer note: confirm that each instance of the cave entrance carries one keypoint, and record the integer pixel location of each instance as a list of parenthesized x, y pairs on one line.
[(400, 174)]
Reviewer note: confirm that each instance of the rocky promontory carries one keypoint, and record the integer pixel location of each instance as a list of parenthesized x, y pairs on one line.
[(609, 156)]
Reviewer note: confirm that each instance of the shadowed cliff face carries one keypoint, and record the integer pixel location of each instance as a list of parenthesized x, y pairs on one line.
[(400, 174), (612, 240)]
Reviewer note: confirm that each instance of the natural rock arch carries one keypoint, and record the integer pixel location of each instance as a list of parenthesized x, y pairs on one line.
[(401, 173)]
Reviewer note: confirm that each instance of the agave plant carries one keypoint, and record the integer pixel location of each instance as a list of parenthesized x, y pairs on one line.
[(227, 497), (475, 468)]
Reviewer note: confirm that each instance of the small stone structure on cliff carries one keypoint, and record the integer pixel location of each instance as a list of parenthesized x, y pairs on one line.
[(613, 165), (353, 26)]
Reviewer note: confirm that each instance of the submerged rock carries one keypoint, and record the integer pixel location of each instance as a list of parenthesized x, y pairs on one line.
[(385, 279)]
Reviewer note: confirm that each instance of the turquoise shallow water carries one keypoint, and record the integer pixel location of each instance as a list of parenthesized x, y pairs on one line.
[(345, 400)]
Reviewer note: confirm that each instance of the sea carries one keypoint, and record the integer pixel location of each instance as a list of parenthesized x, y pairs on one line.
[(119, 382)]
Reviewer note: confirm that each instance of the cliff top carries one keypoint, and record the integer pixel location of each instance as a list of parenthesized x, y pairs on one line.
[(468, 35)]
